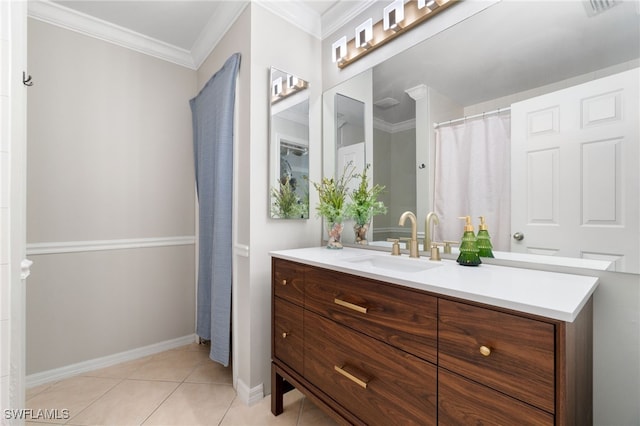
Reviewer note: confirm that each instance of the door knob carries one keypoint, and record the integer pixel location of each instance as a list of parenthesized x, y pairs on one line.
[(518, 236)]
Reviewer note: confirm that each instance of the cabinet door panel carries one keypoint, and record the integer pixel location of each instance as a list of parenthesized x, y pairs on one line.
[(522, 351), (288, 280), (376, 382), (287, 333), (403, 318), (463, 402)]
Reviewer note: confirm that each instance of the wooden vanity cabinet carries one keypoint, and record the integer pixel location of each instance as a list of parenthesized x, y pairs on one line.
[(465, 402), (368, 348), (288, 332), (511, 354), (397, 316), (370, 352), (501, 367), (377, 382)]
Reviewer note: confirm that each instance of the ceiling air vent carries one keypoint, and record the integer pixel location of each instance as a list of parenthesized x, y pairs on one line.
[(595, 7), (386, 103)]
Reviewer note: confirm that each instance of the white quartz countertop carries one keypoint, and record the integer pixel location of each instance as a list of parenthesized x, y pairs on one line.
[(548, 294)]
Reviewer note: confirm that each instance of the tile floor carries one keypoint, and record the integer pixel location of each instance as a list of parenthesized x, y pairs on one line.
[(177, 387)]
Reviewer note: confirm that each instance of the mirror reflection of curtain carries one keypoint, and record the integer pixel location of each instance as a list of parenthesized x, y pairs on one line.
[(472, 177), (213, 113)]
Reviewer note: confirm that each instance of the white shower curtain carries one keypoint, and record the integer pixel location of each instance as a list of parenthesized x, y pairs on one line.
[(472, 178)]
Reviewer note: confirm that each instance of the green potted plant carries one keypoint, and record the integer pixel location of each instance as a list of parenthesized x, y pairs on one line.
[(286, 203), (332, 204), (364, 205)]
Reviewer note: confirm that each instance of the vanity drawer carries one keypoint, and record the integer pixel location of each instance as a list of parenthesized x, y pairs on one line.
[(463, 402), (287, 337), (518, 356), (403, 318), (376, 382), (288, 280)]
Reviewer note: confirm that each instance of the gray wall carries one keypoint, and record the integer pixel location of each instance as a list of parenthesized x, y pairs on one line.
[(261, 37), (396, 171), (109, 160)]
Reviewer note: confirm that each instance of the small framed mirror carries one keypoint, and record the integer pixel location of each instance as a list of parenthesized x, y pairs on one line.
[(288, 146)]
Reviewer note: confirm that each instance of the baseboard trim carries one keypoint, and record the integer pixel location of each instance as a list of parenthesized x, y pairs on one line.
[(106, 361), (249, 396), (99, 245)]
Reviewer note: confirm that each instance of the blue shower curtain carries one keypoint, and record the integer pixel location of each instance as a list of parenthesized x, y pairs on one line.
[(212, 111)]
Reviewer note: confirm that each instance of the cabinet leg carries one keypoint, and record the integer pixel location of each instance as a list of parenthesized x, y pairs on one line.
[(277, 391)]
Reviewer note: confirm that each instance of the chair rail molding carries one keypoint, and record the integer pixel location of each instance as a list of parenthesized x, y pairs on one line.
[(100, 245)]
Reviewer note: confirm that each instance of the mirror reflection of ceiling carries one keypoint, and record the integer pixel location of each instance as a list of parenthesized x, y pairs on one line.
[(298, 113), (528, 44), (349, 111)]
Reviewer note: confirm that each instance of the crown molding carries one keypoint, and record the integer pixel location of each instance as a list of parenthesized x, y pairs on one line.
[(418, 92), (216, 28), (385, 126), (340, 14), (70, 19), (218, 25), (296, 14), (309, 21)]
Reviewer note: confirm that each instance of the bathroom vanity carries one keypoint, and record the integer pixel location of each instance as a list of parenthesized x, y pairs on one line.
[(378, 339)]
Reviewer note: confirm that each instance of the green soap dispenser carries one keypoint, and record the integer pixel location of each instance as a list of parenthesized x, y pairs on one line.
[(469, 245), (484, 241)]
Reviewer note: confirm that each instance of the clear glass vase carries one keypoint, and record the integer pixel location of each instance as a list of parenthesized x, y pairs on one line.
[(361, 233), (335, 235)]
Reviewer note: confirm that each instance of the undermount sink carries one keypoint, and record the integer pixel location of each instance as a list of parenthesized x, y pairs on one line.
[(394, 263)]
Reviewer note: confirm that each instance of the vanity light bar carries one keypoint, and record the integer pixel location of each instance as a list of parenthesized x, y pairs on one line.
[(280, 90), (276, 88), (364, 34), (339, 50), (393, 16), (398, 18), (431, 4)]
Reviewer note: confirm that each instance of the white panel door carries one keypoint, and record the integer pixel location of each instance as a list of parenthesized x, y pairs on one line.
[(354, 154), (575, 161)]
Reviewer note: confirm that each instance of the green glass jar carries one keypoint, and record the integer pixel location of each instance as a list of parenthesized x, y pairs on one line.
[(469, 252), (484, 240)]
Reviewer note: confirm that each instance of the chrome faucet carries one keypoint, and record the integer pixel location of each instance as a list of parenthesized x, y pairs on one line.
[(432, 217), (413, 242)]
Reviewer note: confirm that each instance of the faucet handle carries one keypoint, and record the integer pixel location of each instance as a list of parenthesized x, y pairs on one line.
[(405, 240), (448, 244), (395, 248), (435, 251)]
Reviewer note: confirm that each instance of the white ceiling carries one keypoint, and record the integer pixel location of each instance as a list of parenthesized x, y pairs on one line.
[(178, 23), (510, 47), (546, 41), (184, 31)]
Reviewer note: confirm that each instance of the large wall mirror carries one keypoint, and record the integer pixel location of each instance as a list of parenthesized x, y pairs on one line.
[(532, 104), (288, 146)]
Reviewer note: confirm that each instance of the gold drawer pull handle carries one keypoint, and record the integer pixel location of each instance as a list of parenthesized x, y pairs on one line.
[(348, 305), (351, 377), (284, 282), (485, 350), (284, 335)]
